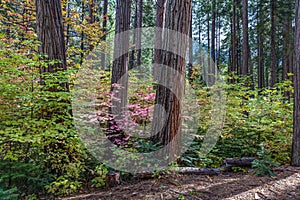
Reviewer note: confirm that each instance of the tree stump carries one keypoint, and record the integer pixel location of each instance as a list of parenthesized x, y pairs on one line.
[(112, 179)]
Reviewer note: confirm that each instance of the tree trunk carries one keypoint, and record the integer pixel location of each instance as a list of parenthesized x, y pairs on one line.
[(82, 34), (245, 59), (213, 31), (50, 32), (135, 24), (104, 30), (139, 33), (119, 81), (177, 19), (273, 44), (233, 40), (92, 19), (160, 12), (261, 55), (190, 64), (296, 136)]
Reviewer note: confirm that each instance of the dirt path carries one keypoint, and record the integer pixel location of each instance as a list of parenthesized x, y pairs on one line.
[(284, 186)]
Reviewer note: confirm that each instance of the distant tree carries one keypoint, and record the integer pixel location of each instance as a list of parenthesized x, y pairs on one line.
[(213, 31), (260, 44), (104, 30), (296, 136), (245, 60), (233, 66), (273, 43)]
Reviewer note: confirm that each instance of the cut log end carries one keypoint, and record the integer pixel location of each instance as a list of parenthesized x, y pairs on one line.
[(112, 179)]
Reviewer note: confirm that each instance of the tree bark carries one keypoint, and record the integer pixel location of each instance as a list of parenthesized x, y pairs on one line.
[(273, 44), (177, 19), (260, 44), (139, 33), (190, 64), (233, 41), (92, 19), (160, 11), (245, 59), (296, 135), (213, 31), (50, 32), (119, 80), (104, 30)]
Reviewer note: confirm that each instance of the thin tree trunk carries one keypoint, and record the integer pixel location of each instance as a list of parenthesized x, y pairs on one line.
[(239, 39), (139, 33), (104, 30), (135, 24), (82, 34), (213, 31), (273, 44), (68, 25), (190, 64), (296, 136), (233, 39), (261, 56), (92, 19), (245, 59)]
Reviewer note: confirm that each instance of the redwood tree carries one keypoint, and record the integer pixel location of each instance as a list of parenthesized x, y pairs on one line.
[(178, 19), (245, 47), (296, 137), (50, 32), (119, 80), (160, 11), (273, 44)]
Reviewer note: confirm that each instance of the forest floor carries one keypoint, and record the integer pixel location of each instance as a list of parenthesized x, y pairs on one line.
[(284, 186)]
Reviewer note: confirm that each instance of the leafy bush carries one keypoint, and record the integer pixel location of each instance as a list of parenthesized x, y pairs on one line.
[(264, 164), (9, 194)]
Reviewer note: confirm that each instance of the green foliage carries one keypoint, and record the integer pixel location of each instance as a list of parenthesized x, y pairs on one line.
[(264, 164), (99, 180), (63, 185), (251, 119), (9, 194)]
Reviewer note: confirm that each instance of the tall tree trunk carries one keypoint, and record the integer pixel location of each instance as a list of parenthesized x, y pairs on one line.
[(50, 32), (119, 80), (296, 136), (139, 33), (287, 51), (213, 31), (68, 24), (104, 30), (261, 55), (239, 38), (92, 19), (177, 19), (82, 34), (245, 59), (273, 43), (135, 24), (190, 64), (160, 13), (233, 40)]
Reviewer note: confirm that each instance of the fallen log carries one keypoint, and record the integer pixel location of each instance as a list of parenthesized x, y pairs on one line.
[(179, 170), (198, 171), (239, 162)]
